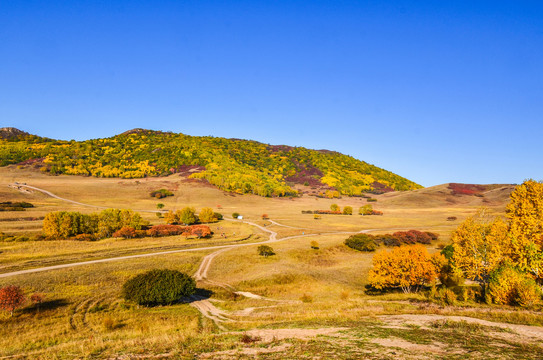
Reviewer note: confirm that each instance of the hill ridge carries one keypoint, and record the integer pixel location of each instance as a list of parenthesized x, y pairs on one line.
[(235, 165)]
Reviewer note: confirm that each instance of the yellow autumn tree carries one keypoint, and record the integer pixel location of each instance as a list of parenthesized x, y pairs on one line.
[(480, 245), (171, 218), (207, 215), (525, 213), (407, 267)]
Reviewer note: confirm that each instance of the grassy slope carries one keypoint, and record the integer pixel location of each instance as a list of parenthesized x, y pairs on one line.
[(234, 165), (84, 317)]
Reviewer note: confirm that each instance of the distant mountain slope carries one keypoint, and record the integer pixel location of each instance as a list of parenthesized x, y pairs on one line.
[(452, 194), (241, 166)]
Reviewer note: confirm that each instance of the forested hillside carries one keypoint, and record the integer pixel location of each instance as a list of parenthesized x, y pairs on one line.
[(241, 166)]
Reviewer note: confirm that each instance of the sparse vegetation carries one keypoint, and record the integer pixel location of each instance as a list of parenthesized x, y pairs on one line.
[(265, 250), (162, 193)]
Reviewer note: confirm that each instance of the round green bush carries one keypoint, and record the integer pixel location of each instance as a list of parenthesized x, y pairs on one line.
[(361, 242), (158, 287)]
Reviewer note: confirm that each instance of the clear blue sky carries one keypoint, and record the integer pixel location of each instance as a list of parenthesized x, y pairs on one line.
[(436, 91)]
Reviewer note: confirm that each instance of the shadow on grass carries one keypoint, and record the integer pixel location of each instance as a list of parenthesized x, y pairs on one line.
[(200, 294), (46, 306)]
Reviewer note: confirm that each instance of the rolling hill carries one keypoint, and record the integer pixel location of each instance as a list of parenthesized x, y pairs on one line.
[(235, 165)]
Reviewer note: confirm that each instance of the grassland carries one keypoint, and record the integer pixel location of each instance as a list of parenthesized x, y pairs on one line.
[(312, 304)]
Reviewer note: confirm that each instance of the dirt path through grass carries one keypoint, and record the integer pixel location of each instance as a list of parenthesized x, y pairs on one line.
[(17, 185)]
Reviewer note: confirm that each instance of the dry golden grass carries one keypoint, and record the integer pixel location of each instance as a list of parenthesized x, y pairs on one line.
[(84, 317)]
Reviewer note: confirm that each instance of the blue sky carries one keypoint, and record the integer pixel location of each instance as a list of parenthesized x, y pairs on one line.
[(435, 91)]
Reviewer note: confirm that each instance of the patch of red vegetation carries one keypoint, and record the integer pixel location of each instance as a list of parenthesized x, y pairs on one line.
[(466, 189), (37, 161), (381, 188), (278, 148), (201, 182), (186, 170), (306, 174)]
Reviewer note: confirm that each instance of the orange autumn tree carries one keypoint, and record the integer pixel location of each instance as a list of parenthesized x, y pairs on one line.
[(406, 267)]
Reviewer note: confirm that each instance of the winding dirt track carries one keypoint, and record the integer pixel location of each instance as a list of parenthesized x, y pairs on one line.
[(76, 202), (203, 305)]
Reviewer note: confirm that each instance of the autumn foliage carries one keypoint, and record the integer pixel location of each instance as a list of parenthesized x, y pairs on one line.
[(505, 257), (407, 267), (11, 298)]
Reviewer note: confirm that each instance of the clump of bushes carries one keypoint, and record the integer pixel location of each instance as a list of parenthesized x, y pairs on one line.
[(162, 193), (367, 242), (199, 231), (508, 286), (13, 238), (362, 242), (158, 287), (15, 206)]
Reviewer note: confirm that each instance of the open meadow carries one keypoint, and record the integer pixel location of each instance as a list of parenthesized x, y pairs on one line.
[(306, 301)]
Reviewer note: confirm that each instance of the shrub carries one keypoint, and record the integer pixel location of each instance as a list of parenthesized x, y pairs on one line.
[(159, 206), (448, 251), (265, 250), (306, 298), (162, 193), (334, 208), (235, 215), (508, 286), (314, 245), (412, 237), (165, 230), (316, 217), (126, 232), (158, 287), (366, 210), (265, 217), (361, 242), (451, 218), (11, 298), (371, 200), (85, 237), (218, 216), (447, 296), (200, 231), (347, 210), (388, 240)]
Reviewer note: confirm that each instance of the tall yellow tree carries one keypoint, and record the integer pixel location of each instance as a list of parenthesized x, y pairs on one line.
[(480, 246), (525, 213)]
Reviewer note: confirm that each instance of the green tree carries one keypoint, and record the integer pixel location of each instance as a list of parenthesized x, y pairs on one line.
[(187, 216), (347, 210), (334, 207), (265, 250)]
